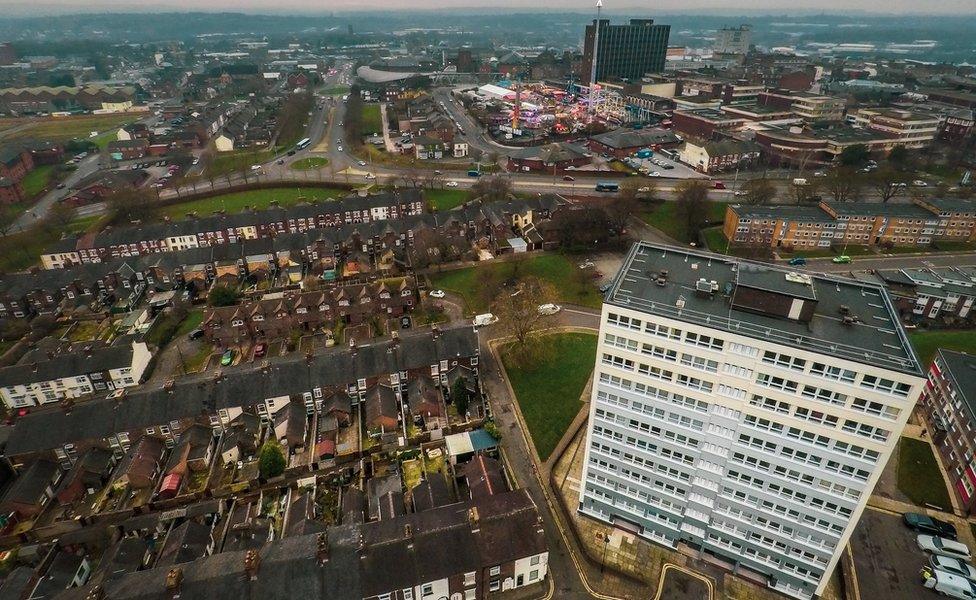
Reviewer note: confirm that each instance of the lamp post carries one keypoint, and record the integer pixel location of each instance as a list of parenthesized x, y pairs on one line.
[(606, 544)]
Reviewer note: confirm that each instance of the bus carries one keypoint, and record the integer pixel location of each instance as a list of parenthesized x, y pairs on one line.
[(607, 186), (302, 144)]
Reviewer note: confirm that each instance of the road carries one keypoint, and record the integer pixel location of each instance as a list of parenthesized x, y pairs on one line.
[(29, 217)]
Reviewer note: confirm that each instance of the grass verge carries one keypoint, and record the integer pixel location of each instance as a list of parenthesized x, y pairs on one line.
[(664, 216), (927, 342), (919, 476), (255, 199), (549, 393), (307, 164), (572, 285), (445, 199)]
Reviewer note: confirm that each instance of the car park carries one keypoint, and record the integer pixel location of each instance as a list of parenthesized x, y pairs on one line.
[(925, 524), (943, 546), (437, 294), (953, 565)]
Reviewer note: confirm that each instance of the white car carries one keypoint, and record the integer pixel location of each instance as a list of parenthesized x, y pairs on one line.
[(943, 547), (819, 174), (549, 309), (920, 183), (451, 184), (196, 161), (654, 174), (255, 167), (740, 193), (339, 148), (483, 320), (437, 294), (362, 163), (370, 176), (586, 264), (954, 566)]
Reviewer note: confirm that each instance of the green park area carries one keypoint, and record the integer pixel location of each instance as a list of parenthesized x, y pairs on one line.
[(372, 119), (38, 179), (572, 284), (63, 128), (666, 217), (919, 476), (548, 393), (926, 343), (446, 199), (254, 199)]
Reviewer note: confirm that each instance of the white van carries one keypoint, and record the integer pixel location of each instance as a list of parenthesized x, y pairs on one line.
[(799, 181), (485, 319), (948, 584)]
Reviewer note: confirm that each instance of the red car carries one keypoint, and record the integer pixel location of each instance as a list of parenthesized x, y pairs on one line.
[(719, 185), (260, 350)]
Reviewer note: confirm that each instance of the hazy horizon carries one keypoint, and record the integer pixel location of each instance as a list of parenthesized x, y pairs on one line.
[(285, 7)]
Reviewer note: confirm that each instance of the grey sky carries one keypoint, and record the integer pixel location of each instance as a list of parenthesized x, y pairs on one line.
[(22, 7)]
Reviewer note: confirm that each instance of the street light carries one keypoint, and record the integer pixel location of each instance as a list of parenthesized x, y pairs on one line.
[(606, 544)]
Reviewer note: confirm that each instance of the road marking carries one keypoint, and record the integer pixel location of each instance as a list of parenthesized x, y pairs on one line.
[(668, 566)]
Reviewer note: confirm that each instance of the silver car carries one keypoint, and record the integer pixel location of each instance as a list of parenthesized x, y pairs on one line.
[(943, 547), (954, 566)]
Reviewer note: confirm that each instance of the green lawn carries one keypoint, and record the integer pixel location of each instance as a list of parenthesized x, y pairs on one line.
[(715, 239), (191, 322), (336, 90), (236, 161), (446, 199), (561, 272), (372, 119), (35, 181), (82, 224), (919, 476), (927, 342), (307, 164), (255, 199), (549, 394), (664, 216), (65, 128)]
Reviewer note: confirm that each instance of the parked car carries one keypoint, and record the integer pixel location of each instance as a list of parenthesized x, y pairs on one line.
[(796, 261), (485, 319), (362, 163), (605, 288), (948, 584), (568, 178), (339, 148), (195, 334), (549, 309), (60, 186), (451, 184), (718, 185), (920, 183), (586, 264), (227, 357), (405, 322), (843, 259), (437, 294), (953, 565), (943, 547), (926, 524), (255, 167), (260, 350)]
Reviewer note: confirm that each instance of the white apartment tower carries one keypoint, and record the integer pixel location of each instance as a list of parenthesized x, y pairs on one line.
[(743, 410)]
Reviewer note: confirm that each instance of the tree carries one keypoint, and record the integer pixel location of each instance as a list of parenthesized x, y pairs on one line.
[(221, 295), (887, 182), (494, 188), (843, 184), (517, 309), (806, 192), (620, 211), (692, 210), (855, 156), (128, 204), (900, 158), (271, 461), (759, 191), (460, 395)]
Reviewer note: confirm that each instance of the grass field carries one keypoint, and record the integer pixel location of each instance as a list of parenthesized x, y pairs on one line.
[(571, 285), (308, 164), (372, 119), (82, 224), (65, 128), (255, 199), (927, 342), (35, 181), (715, 239), (549, 394), (191, 322), (23, 249), (445, 199), (664, 216), (919, 476), (336, 90), (236, 161)]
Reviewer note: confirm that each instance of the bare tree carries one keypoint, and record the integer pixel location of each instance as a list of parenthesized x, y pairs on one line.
[(843, 184), (759, 191), (517, 309), (491, 188), (620, 211), (888, 183), (128, 205), (806, 192), (692, 206)]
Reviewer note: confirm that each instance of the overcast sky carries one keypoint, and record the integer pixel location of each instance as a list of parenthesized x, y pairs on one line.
[(21, 7)]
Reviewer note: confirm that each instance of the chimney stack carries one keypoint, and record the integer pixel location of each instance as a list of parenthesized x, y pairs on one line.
[(252, 560), (174, 581), (322, 548)]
